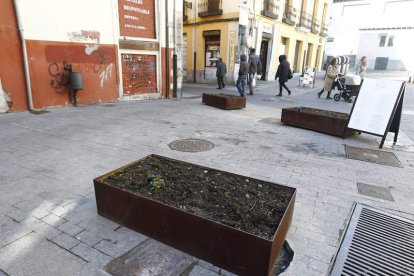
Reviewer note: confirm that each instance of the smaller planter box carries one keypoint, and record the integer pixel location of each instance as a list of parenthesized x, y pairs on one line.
[(224, 101), (119, 198), (329, 122)]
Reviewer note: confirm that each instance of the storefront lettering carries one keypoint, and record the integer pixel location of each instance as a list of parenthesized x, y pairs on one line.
[(139, 10), (137, 18), (126, 16), (134, 27), (136, 1)]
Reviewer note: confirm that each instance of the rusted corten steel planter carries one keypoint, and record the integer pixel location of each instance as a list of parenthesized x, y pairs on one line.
[(226, 247), (224, 101), (329, 122)]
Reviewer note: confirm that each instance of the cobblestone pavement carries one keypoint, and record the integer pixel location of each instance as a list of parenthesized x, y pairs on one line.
[(48, 219)]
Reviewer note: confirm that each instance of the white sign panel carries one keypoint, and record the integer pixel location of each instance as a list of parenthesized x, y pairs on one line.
[(244, 17), (374, 105)]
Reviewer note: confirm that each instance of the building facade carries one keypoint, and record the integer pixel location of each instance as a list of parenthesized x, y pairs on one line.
[(381, 30), (122, 48), (227, 29)]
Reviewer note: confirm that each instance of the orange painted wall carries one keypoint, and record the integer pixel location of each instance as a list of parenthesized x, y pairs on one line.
[(47, 59), (11, 57)]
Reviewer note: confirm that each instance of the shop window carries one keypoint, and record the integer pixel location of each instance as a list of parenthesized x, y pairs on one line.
[(390, 41), (212, 46), (382, 40)]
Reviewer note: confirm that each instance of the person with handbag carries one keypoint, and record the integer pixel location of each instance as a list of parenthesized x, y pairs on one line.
[(253, 63), (283, 73), (331, 74)]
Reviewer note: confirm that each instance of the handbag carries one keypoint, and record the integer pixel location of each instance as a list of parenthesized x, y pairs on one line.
[(290, 74)]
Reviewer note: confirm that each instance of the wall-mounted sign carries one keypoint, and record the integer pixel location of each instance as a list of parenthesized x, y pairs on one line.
[(232, 47), (267, 28), (188, 5), (137, 18), (244, 16), (139, 74)]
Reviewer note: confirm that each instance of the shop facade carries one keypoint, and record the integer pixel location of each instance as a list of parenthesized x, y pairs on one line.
[(122, 49)]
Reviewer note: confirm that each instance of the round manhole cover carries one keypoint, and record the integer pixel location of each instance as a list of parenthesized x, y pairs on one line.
[(191, 145)]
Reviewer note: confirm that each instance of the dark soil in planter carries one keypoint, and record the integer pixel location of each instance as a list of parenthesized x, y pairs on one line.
[(247, 204), (321, 112)]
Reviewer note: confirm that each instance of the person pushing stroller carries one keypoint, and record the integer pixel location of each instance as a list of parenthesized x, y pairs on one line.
[(331, 74)]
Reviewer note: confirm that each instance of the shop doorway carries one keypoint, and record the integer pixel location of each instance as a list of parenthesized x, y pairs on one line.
[(264, 47), (212, 53)]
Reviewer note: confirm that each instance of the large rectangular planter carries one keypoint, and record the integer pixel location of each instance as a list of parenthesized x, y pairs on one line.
[(329, 122), (224, 246), (224, 101)]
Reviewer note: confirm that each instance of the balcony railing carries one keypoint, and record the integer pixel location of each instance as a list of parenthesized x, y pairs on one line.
[(324, 30), (305, 20), (209, 8), (271, 8), (316, 26), (289, 16)]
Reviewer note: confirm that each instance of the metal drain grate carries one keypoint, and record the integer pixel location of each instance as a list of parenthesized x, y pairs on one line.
[(375, 243), (191, 145), (374, 191), (373, 156)]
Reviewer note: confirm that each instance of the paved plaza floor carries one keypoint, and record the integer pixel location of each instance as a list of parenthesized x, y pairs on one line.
[(48, 219)]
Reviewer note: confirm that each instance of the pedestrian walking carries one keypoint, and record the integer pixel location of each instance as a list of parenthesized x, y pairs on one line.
[(253, 64), (283, 73), (361, 68), (243, 71), (331, 74), (221, 73)]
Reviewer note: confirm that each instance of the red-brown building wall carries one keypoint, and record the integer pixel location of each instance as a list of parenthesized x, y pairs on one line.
[(11, 57), (98, 66)]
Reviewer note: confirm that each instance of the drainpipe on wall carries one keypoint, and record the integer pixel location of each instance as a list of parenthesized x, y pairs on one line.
[(167, 51), (175, 54), (25, 60)]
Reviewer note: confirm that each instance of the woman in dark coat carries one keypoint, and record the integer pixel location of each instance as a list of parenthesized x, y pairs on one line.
[(283, 74)]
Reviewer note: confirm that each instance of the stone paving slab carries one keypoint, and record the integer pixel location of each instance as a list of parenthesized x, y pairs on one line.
[(11, 231), (33, 255), (47, 198), (151, 258)]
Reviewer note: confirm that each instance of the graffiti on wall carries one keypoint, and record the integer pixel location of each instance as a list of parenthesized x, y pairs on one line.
[(97, 66), (106, 74), (59, 74), (85, 36), (85, 57), (139, 74)]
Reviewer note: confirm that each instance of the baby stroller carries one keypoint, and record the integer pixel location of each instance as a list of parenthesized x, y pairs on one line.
[(348, 87)]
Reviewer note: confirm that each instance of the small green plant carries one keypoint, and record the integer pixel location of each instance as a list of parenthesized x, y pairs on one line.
[(155, 181)]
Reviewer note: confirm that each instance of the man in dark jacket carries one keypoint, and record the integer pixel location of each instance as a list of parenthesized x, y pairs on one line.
[(253, 62), (220, 73), (283, 74), (243, 71)]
